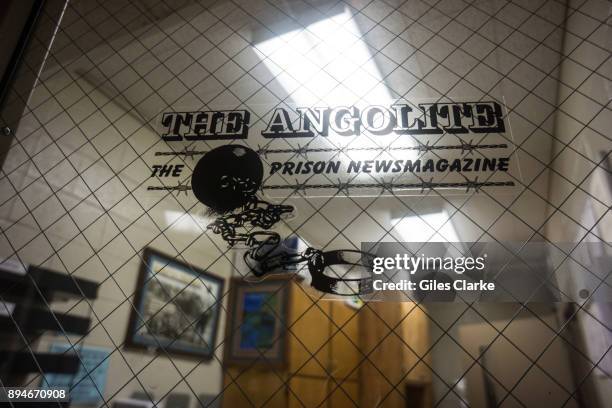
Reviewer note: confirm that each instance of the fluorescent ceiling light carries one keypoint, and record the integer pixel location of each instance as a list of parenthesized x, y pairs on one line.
[(423, 228), (337, 44)]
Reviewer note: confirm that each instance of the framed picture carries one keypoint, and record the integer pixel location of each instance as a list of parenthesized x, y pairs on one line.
[(88, 384), (178, 307), (256, 330)]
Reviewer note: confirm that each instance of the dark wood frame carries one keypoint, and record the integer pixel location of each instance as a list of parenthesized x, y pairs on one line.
[(130, 342), (18, 22), (284, 282)]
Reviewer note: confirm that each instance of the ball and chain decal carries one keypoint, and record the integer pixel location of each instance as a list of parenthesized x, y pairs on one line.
[(234, 181)]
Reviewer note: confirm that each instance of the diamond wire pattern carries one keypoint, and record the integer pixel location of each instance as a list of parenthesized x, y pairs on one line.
[(553, 379), (362, 10)]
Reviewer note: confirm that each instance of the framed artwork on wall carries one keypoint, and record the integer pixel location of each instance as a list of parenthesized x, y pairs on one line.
[(177, 307), (88, 384), (256, 330)]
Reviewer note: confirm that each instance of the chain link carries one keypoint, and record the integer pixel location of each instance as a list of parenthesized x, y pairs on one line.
[(261, 244), (254, 214)]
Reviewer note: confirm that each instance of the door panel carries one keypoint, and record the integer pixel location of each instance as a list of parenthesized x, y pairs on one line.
[(346, 395), (244, 388), (309, 335), (307, 392), (345, 354)]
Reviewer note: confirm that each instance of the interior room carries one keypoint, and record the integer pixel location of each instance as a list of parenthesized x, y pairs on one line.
[(129, 280)]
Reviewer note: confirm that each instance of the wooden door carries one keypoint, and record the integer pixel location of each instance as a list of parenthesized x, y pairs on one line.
[(246, 387), (344, 395), (307, 392), (309, 334), (345, 355)]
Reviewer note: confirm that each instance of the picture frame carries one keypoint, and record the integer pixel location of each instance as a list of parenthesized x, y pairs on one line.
[(256, 328), (87, 385), (177, 307)]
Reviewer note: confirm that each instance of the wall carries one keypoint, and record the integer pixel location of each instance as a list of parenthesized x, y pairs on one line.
[(100, 238), (71, 204), (508, 356)]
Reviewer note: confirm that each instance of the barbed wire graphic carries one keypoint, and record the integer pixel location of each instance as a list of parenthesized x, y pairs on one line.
[(179, 188), (390, 186), (468, 147), (188, 151), (384, 186), (465, 147)]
